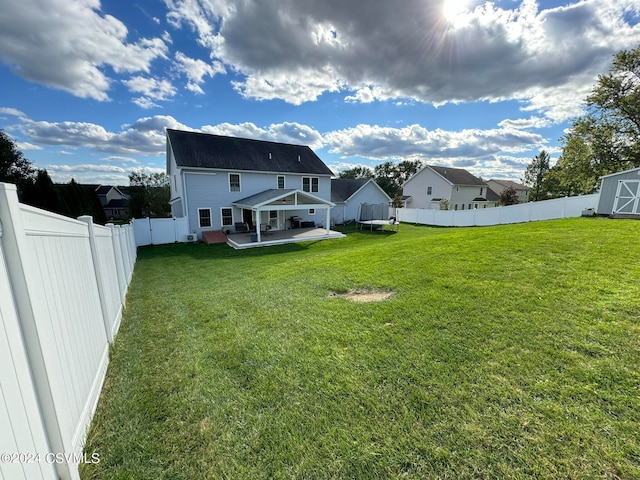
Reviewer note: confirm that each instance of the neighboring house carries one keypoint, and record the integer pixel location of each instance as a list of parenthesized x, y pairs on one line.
[(620, 194), (114, 202), (499, 186), (350, 193), (116, 209), (218, 182), (433, 184)]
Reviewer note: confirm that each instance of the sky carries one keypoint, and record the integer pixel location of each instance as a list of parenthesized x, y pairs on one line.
[(87, 87)]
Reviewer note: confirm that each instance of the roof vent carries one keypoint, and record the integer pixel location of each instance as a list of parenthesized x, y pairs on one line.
[(298, 158), (269, 155)]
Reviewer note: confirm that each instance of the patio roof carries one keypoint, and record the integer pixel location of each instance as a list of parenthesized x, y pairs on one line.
[(282, 199)]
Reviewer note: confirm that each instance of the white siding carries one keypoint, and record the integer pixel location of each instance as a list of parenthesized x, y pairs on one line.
[(417, 185), (370, 193), (211, 190)]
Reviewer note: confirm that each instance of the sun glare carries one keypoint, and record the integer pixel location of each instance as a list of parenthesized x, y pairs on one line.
[(456, 13)]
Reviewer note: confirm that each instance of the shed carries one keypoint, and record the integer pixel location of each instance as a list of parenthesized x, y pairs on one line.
[(620, 194)]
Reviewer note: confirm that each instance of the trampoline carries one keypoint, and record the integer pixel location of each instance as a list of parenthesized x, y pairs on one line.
[(379, 224)]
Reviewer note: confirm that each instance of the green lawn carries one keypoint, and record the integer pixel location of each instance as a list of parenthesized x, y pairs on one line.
[(505, 352)]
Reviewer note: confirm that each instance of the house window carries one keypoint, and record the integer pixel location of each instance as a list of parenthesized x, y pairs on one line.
[(480, 191), (429, 190), (455, 207), (204, 217), (280, 181), (234, 182), (469, 206), (310, 184), (312, 211), (463, 206), (227, 216)]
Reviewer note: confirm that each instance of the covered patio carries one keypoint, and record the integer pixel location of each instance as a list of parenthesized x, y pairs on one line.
[(278, 237), (282, 200)]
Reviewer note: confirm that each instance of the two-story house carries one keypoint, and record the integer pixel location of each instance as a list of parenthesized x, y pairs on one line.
[(220, 182), (499, 186), (432, 185)]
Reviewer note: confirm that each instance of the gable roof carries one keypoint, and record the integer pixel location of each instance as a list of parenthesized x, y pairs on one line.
[(508, 183), (289, 197), (457, 176), (343, 188), (201, 150)]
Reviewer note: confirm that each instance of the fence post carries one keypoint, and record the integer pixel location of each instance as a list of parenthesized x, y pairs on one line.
[(117, 250), (17, 262), (100, 276)]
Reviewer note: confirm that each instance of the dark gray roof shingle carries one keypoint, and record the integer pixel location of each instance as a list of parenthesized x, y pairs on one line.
[(343, 188), (458, 176), (201, 150)]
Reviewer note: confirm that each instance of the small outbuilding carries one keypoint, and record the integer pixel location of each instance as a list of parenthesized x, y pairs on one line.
[(620, 194)]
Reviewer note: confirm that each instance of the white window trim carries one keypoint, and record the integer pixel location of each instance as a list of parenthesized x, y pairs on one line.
[(239, 182), (312, 211), (311, 184), (222, 217), (284, 181), (210, 218)]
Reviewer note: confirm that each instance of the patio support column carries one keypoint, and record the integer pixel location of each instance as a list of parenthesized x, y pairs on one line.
[(258, 224), (328, 224)]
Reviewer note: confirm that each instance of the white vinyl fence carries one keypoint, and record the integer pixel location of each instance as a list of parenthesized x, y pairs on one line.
[(157, 231), (62, 289), (525, 212)]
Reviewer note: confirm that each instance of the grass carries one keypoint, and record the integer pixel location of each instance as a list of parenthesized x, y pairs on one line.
[(505, 352)]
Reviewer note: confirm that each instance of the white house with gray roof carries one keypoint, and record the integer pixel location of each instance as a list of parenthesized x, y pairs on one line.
[(433, 184), (227, 183), (349, 194)]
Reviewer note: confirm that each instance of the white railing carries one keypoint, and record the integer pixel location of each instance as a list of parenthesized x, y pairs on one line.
[(525, 212), (62, 289), (158, 231)]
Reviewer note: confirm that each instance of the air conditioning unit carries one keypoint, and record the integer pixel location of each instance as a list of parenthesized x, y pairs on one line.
[(192, 237)]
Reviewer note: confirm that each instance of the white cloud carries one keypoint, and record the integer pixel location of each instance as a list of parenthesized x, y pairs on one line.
[(67, 45), (151, 89), (287, 132), (298, 50), (417, 142), (196, 70), (146, 136)]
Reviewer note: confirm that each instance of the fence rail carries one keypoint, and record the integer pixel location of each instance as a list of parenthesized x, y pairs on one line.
[(526, 212), (62, 288)]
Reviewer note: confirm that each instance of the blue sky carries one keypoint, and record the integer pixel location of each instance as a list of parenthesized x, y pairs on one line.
[(89, 86)]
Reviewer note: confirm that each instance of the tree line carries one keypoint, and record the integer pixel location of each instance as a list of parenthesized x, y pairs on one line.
[(606, 139), (149, 193)]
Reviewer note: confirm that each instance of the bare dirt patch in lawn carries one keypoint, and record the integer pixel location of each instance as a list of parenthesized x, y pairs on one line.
[(364, 295)]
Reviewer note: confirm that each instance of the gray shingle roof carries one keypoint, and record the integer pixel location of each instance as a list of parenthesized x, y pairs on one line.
[(343, 188), (458, 176), (201, 150)]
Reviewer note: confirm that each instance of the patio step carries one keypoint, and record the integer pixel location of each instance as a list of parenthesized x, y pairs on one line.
[(214, 236)]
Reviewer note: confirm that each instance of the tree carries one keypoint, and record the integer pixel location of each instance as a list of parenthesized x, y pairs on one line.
[(390, 176), (606, 139), (508, 196), (150, 195), (42, 193), (14, 168), (356, 172), (535, 176)]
